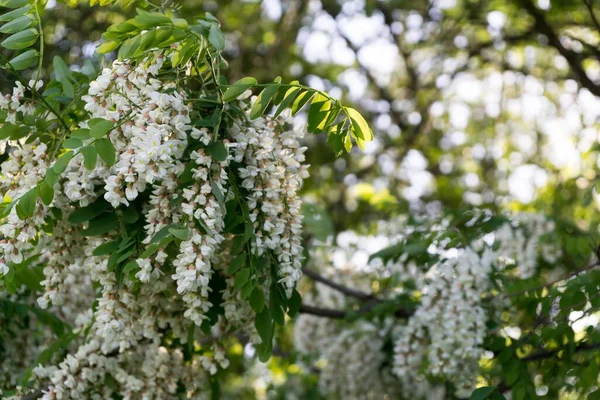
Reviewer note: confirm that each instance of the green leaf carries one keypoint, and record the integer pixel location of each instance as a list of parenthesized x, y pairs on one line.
[(184, 53), (129, 47), (20, 132), (106, 248), (294, 303), (20, 40), (162, 35), (100, 128), (146, 20), (394, 250), (263, 100), (238, 88), (51, 176), (246, 290), (26, 204), (72, 143), (9, 16), (216, 38), (6, 130), (265, 351), (163, 233), (301, 101), (130, 266), (276, 304), (81, 134), (236, 264), (482, 393), (319, 113), (101, 225), (89, 212), (63, 75), (106, 151), (24, 60), (130, 215), (18, 24), (182, 234), (90, 155), (241, 278), (63, 162), (13, 3), (107, 47), (264, 325), (360, 128), (257, 300), (218, 151), (46, 193), (288, 98)]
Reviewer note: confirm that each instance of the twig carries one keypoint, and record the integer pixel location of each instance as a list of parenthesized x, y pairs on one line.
[(340, 288), (551, 353), (588, 4), (573, 59), (341, 314), (552, 283)]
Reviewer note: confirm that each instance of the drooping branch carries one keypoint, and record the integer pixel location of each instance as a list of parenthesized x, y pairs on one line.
[(322, 312), (401, 312), (554, 282), (589, 6), (334, 285), (573, 59)]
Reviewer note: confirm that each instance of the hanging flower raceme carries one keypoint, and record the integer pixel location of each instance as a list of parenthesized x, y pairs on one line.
[(439, 332), (158, 213)]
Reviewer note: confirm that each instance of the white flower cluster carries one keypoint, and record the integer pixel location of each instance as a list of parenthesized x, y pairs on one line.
[(521, 240), (24, 169), (446, 332), (443, 337), (154, 373), (354, 368), (167, 178), (273, 173), (17, 102), (312, 334), (18, 345), (194, 264), (150, 133)]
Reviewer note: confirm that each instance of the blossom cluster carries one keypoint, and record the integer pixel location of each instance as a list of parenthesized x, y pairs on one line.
[(273, 173), (165, 195), (443, 335)]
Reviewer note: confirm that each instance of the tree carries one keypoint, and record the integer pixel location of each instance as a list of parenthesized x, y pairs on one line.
[(157, 219)]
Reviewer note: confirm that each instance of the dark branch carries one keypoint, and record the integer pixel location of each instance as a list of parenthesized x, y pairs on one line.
[(554, 282), (322, 312), (588, 4), (541, 355), (341, 314), (573, 59), (340, 288)]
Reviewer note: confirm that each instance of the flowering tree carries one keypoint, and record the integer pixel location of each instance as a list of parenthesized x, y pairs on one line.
[(154, 239)]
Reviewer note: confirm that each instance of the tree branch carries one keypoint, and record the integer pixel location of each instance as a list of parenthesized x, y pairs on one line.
[(554, 282), (551, 353), (340, 288), (573, 59), (341, 314), (588, 4)]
